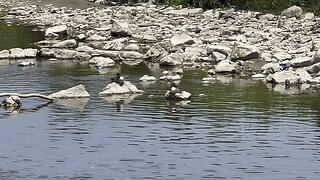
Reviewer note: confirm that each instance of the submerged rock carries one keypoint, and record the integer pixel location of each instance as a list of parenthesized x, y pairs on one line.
[(11, 101), (147, 78), (78, 91), (183, 95)]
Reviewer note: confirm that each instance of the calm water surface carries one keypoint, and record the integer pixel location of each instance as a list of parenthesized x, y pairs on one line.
[(238, 130)]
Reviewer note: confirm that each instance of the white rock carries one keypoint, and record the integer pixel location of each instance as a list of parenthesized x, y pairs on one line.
[(120, 29), (181, 39), (102, 61), (29, 53), (244, 52), (283, 76), (132, 47), (4, 54), (114, 88), (226, 66), (304, 75), (78, 91), (293, 11), (147, 78), (66, 44), (26, 63), (60, 30), (96, 37), (16, 53), (258, 76), (302, 62), (218, 48), (171, 60)]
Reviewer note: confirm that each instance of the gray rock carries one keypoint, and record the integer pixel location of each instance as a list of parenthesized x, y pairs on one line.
[(183, 95), (4, 54), (78, 91), (120, 29), (302, 62), (285, 76), (304, 75), (293, 11), (218, 48), (65, 53), (314, 69), (226, 66), (66, 44), (244, 52), (155, 51), (148, 39), (281, 56), (181, 39), (102, 61), (57, 30), (26, 63), (128, 55), (171, 60), (86, 49), (114, 88), (132, 47), (270, 68), (117, 44), (96, 37)]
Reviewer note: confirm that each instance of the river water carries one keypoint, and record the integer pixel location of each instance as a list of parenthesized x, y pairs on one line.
[(237, 130)]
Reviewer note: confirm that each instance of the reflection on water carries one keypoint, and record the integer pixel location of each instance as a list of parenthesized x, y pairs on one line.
[(18, 36), (239, 130)]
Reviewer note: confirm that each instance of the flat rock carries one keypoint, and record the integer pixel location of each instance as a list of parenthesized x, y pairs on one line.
[(78, 91), (302, 62), (147, 78), (181, 39), (4, 54), (283, 76), (57, 30)]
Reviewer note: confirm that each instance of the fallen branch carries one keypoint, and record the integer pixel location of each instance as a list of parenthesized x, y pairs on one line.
[(28, 95)]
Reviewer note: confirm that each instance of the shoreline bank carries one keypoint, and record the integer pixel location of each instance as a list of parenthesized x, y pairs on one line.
[(280, 49)]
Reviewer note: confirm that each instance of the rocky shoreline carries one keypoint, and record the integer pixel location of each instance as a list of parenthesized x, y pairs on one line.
[(282, 49)]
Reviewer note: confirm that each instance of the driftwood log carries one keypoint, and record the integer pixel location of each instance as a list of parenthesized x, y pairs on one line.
[(28, 95)]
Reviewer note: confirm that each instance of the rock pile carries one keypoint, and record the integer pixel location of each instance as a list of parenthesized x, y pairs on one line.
[(222, 41)]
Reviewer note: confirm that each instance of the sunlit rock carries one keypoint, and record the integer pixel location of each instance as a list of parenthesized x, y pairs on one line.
[(120, 29), (66, 44), (78, 91), (102, 62), (304, 75), (26, 63), (283, 77), (293, 11), (96, 37), (173, 59), (57, 30), (302, 62), (181, 39), (226, 66), (115, 88), (244, 52), (4, 54), (147, 78)]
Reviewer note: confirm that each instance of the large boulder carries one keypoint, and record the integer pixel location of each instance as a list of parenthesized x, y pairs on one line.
[(293, 11), (116, 44), (16, 53), (284, 77), (304, 75), (155, 51), (314, 69), (66, 44), (218, 48), (57, 30), (181, 39), (120, 29), (115, 88), (171, 60), (102, 61), (78, 91), (29, 53), (243, 51), (302, 62), (4, 54), (226, 66)]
